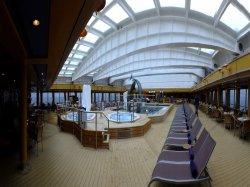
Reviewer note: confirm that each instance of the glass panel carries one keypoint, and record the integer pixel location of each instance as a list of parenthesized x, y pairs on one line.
[(195, 48), (33, 99), (101, 26), (74, 63), (206, 7), (71, 69), (68, 73), (64, 67), (245, 3), (108, 2), (117, 14), (232, 98), (84, 48), (140, 5), (172, 3), (66, 62), (233, 18), (71, 54), (243, 100), (78, 56), (209, 51), (92, 38), (91, 20), (75, 46), (224, 97)]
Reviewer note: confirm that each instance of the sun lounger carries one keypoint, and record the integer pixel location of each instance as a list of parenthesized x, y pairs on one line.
[(186, 173)]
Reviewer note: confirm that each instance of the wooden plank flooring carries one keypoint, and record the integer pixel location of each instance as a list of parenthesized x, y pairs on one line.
[(129, 162)]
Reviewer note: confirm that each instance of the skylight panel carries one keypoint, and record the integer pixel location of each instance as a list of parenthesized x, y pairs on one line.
[(92, 38), (233, 18), (66, 62), (101, 26), (140, 5), (70, 55), (74, 63), (209, 7), (64, 67), (108, 2), (71, 69), (117, 14), (245, 3), (75, 46), (61, 72), (78, 56), (91, 20), (68, 73), (173, 3), (209, 51), (195, 48), (84, 48)]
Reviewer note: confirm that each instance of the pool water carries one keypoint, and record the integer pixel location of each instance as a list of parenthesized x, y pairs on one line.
[(151, 109), (123, 117), (74, 116)]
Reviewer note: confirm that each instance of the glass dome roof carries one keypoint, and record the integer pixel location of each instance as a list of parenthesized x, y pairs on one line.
[(167, 43)]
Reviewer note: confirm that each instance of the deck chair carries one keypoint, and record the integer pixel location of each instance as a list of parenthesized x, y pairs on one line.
[(178, 142), (194, 171), (186, 134), (183, 128), (183, 156)]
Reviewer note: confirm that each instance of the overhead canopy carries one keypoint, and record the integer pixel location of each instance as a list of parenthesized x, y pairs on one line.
[(144, 38)]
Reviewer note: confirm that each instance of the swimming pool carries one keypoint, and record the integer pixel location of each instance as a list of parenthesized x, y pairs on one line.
[(74, 116), (152, 109), (123, 116)]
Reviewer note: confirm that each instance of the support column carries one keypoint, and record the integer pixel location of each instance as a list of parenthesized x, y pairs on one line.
[(215, 97), (237, 102), (228, 97), (207, 97), (248, 97), (37, 96), (219, 97), (41, 97), (23, 117)]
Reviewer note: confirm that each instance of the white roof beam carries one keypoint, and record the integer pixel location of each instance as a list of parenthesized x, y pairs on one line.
[(220, 12), (127, 9)]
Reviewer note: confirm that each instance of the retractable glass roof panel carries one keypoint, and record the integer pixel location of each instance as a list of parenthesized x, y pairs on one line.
[(116, 14), (234, 18), (140, 5), (209, 7), (101, 26), (172, 3)]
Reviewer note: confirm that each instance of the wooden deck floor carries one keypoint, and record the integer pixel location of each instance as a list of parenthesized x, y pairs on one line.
[(129, 162)]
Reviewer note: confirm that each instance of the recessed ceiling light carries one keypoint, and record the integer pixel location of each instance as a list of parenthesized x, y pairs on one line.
[(2, 74), (36, 22)]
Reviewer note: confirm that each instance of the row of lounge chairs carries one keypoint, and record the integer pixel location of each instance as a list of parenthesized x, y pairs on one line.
[(184, 155)]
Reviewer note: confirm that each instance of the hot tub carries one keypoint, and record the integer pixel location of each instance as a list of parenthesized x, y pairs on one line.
[(123, 117)]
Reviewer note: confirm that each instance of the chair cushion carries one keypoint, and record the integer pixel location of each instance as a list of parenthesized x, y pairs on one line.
[(193, 169)]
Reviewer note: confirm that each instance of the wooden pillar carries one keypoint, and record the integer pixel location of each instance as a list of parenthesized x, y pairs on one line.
[(219, 96), (228, 97), (65, 96), (237, 102), (94, 97), (109, 96), (248, 97), (215, 97), (53, 97), (23, 116), (207, 96), (37, 96), (41, 97)]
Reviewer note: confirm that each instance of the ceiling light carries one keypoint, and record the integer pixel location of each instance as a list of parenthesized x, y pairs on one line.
[(2, 74), (36, 22)]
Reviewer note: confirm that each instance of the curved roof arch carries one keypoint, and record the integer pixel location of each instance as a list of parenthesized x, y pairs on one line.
[(127, 28)]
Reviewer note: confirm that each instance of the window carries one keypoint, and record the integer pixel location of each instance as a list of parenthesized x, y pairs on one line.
[(232, 98), (140, 5), (172, 3), (244, 99), (224, 97), (92, 38), (206, 7), (101, 26), (33, 99)]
